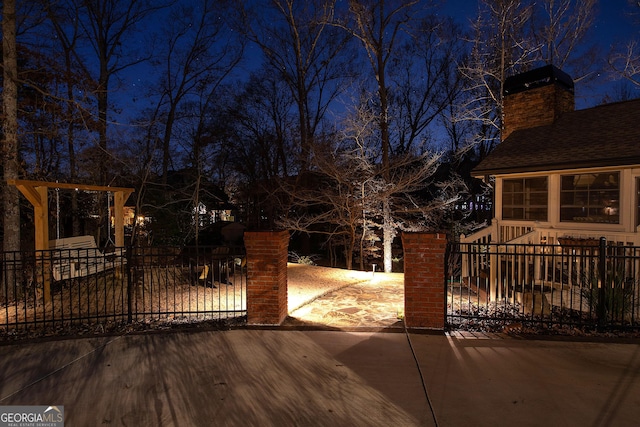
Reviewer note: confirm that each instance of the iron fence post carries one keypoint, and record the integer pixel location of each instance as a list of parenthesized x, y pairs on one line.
[(602, 270), (128, 265)]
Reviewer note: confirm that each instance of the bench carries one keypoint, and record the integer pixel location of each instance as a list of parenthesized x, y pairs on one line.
[(73, 257)]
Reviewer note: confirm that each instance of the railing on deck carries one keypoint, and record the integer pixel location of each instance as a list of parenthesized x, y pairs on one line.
[(577, 282), (514, 232), (158, 284)]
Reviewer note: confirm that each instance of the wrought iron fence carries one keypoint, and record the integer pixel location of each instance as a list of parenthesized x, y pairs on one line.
[(62, 288), (576, 282)]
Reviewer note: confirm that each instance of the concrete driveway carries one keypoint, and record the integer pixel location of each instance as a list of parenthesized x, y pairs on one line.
[(324, 378)]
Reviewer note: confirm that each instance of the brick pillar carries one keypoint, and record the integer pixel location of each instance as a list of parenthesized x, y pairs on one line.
[(267, 253), (424, 280)]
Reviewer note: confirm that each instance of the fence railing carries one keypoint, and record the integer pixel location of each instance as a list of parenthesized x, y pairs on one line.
[(61, 288), (576, 282)]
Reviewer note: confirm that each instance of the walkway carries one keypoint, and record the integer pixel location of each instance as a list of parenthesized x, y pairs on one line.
[(376, 303)]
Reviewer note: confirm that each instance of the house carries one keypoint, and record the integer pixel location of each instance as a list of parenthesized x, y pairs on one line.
[(561, 173), (562, 180)]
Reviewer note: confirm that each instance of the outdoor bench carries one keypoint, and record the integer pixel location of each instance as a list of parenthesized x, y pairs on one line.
[(73, 257)]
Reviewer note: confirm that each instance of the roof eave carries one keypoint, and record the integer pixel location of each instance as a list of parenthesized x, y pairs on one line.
[(626, 163)]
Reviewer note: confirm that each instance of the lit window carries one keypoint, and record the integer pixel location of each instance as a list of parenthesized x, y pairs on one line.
[(525, 199), (593, 197)]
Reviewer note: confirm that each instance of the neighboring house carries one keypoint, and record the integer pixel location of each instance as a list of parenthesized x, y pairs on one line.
[(561, 173)]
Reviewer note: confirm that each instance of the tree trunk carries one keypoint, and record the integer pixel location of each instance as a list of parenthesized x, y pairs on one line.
[(387, 236), (11, 197), (71, 108), (166, 143), (387, 224), (103, 105)]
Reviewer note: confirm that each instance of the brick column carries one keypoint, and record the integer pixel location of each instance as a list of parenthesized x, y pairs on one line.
[(424, 280), (267, 253)]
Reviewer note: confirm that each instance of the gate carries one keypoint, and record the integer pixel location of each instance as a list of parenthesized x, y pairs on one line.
[(578, 283)]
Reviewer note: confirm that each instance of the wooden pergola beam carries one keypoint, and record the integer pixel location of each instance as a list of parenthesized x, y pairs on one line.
[(67, 185), (37, 194)]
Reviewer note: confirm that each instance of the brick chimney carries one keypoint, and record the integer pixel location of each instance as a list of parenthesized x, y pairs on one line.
[(536, 98)]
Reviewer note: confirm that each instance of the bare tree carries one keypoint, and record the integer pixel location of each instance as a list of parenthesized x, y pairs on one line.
[(328, 201), (263, 128), (408, 51), (108, 25), (200, 140), (500, 48), (626, 63), (307, 53), (201, 52), (64, 20), (140, 155), (97, 38), (424, 81), (339, 197), (346, 197), (261, 144), (458, 130), (378, 25), (560, 28)]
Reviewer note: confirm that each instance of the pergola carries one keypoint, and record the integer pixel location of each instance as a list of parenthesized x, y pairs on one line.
[(37, 193)]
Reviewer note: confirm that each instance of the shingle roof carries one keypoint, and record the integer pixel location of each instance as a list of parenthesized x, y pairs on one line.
[(607, 135)]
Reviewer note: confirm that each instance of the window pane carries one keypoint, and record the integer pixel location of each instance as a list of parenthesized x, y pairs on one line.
[(537, 184), (512, 185), (525, 199), (590, 198), (539, 214), (539, 199)]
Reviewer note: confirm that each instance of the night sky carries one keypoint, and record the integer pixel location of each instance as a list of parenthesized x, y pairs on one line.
[(612, 27)]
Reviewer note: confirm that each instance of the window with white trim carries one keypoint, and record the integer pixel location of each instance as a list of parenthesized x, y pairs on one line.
[(525, 199), (590, 197)]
